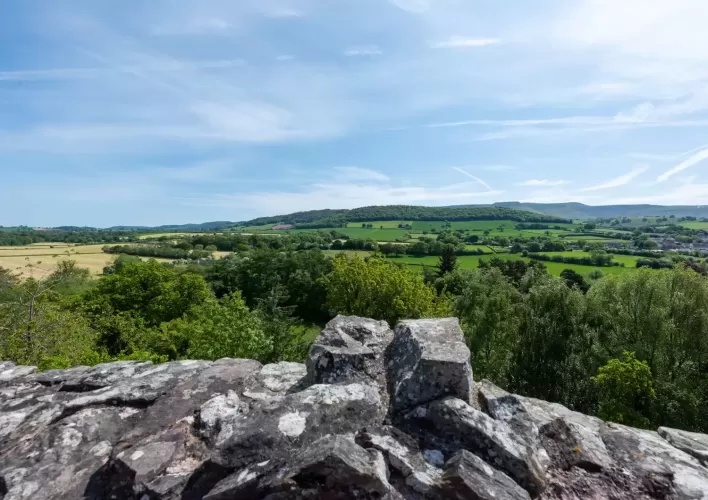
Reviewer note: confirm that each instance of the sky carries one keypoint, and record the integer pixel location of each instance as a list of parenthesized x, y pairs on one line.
[(174, 111)]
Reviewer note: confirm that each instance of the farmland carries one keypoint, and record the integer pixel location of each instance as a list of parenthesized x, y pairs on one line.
[(40, 260)]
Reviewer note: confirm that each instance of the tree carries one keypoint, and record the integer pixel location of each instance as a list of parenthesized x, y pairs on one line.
[(379, 289), (488, 308), (626, 391), (448, 260), (574, 279), (222, 329)]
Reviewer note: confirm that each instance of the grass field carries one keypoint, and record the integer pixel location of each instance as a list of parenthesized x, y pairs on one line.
[(168, 235), (627, 260), (695, 225), (43, 260), (472, 262)]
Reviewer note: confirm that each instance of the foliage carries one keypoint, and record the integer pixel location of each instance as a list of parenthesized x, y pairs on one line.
[(378, 289), (448, 260), (626, 391), (161, 251), (262, 270), (338, 218)]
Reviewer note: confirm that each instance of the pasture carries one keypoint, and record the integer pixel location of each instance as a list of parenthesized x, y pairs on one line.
[(695, 225), (41, 260)]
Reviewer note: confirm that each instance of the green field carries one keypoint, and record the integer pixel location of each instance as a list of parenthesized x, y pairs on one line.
[(695, 225), (472, 262), (627, 260)]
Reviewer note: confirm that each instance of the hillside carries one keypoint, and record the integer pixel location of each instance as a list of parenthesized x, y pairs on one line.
[(582, 211), (334, 218)]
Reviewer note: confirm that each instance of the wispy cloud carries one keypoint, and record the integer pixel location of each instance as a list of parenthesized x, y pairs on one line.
[(348, 195), (498, 168), (363, 50), (474, 177), (622, 180), (688, 163), (359, 174), (459, 42), (416, 6), (84, 73), (543, 182)]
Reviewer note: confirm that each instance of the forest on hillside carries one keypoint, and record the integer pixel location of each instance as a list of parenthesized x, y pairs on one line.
[(336, 218)]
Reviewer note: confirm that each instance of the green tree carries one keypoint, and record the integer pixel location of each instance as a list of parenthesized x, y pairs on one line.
[(626, 391), (140, 295), (221, 329), (488, 307), (554, 348), (575, 279), (381, 290), (448, 260)]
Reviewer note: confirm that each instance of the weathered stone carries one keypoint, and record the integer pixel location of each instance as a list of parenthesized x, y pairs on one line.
[(468, 477), (351, 349), (276, 426), (493, 440), (428, 360), (233, 428), (692, 443), (331, 467), (418, 469)]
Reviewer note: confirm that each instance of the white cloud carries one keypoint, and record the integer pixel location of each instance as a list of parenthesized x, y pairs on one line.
[(416, 6), (359, 174), (622, 180), (348, 195), (284, 12), (543, 182), (457, 42), (498, 168), (363, 50), (84, 73), (474, 177), (688, 163)]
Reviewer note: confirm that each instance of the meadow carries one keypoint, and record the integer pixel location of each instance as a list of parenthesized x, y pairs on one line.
[(472, 262), (40, 260), (627, 260), (695, 225)]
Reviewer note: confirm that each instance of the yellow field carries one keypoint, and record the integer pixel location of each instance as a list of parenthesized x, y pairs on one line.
[(43, 258)]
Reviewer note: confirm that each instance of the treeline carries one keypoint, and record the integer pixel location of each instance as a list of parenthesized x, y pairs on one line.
[(631, 348), (338, 218), (158, 251), (25, 237), (597, 259)]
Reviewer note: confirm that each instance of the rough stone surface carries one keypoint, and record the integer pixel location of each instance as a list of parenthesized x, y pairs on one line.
[(428, 360), (690, 442), (469, 477), (351, 349), (233, 428), (493, 440)]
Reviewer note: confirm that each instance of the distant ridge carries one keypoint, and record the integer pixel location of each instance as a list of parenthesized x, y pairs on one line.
[(582, 211)]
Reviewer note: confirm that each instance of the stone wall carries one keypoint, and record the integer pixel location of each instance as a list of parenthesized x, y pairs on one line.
[(374, 414)]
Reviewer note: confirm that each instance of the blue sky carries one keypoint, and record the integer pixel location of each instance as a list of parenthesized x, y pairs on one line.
[(173, 111)]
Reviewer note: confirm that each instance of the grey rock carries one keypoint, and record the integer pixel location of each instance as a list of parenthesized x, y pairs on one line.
[(233, 428), (419, 469), (273, 428), (351, 349), (493, 440), (331, 467), (468, 477), (11, 373), (428, 360), (692, 443)]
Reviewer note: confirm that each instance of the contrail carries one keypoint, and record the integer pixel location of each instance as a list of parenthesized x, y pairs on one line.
[(688, 163), (489, 188)]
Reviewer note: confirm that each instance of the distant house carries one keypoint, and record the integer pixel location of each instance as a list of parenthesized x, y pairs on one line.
[(282, 227)]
